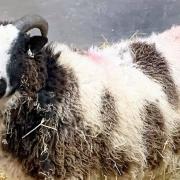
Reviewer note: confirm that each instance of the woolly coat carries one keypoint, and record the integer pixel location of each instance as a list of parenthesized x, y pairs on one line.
[(113, 112)]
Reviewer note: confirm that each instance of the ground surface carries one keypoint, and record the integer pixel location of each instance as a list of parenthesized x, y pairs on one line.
[(84, 22)]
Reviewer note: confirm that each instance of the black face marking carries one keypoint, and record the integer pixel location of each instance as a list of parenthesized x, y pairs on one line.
[(154, 134), (18, 54), (154, 65), (19, 57)]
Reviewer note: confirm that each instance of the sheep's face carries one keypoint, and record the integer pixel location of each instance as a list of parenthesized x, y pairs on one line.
[(12, 50), (14, 47)]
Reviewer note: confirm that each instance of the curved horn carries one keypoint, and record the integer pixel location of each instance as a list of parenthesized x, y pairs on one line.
[(29, 22)]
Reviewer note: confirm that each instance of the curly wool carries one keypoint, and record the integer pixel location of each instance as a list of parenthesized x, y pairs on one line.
[(54, 135), (57, 146)]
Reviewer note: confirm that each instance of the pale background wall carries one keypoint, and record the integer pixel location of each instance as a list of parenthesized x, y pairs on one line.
[(83, 22)]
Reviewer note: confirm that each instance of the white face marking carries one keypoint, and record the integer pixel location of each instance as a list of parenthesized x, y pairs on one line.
[(8, 34)]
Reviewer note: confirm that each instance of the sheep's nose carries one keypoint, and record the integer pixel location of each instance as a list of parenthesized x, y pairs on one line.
[(3, 86)]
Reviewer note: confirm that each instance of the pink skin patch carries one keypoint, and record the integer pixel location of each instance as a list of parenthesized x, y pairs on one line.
[(96, 57), (105, 63)]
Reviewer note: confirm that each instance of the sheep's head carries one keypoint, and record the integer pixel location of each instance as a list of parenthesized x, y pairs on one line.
[(15, 46)]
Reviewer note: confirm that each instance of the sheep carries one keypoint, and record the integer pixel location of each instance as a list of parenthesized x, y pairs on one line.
[(102, 113)]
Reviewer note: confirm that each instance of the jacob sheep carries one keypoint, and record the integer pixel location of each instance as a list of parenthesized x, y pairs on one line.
[(113, 112)]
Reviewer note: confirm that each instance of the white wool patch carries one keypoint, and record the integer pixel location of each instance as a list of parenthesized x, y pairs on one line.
[(90, 81), (129, 87), (8, 34)]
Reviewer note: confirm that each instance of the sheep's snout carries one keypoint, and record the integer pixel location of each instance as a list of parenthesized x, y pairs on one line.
[(3, 87)]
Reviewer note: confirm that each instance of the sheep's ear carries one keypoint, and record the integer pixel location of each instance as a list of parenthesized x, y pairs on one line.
[(36, 43)]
